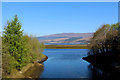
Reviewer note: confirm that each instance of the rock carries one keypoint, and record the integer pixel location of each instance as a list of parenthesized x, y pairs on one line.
[(20, 72)]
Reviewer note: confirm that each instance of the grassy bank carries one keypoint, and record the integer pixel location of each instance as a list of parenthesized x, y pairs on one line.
[(31, 70), (66, 46)]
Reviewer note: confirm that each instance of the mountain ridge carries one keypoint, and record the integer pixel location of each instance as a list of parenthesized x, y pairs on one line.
[(66, 38), (67, 34)]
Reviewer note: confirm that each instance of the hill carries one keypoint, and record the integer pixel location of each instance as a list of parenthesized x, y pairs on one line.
[(66, 38)]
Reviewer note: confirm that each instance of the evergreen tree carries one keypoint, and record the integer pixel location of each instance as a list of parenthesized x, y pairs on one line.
[(13, 37)]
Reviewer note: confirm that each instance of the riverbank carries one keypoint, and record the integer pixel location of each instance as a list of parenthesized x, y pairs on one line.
[(32, 70), (66, 46), (105, 62)]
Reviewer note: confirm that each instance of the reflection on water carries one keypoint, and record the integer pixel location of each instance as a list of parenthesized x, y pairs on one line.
[(103, 75), (68, 63), (98, 74)]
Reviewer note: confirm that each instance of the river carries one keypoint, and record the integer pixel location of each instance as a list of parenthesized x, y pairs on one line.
[(67, 63)]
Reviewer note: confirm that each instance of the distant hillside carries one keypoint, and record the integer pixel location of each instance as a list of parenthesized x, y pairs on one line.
[(66, 38), (70, 35)]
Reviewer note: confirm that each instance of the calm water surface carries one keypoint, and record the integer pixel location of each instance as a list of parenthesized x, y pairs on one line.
[(66, 63), (65, 43)]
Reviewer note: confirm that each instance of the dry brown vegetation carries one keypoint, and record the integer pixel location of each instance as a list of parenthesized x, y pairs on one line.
[(67, 46)]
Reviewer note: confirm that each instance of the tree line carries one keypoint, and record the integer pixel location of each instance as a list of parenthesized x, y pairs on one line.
[(106, 40)]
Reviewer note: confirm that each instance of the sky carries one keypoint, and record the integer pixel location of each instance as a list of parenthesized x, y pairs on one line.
[(60, 0), (45, 18)]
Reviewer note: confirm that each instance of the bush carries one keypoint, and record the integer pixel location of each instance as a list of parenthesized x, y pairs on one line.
[(36, 48)]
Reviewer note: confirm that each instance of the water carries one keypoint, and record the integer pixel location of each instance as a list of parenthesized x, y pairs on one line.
[(66, 63), (65, 43)]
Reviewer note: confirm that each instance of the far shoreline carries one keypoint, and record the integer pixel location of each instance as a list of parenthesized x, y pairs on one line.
[(66, 46)]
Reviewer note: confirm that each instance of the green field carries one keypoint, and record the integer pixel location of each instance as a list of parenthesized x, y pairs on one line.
[(66, 46)]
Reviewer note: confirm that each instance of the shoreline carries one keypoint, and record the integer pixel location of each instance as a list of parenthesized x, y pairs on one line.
[(66, 47), (31, 70), (110, 67)]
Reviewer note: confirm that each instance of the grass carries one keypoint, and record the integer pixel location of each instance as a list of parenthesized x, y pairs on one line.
[(66, 46), (31, 70)]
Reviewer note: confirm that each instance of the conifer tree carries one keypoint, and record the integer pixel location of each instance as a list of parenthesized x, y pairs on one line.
[(13, 37)]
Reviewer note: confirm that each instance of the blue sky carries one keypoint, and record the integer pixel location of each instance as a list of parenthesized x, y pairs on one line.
[(44, 18), (60, 0)]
